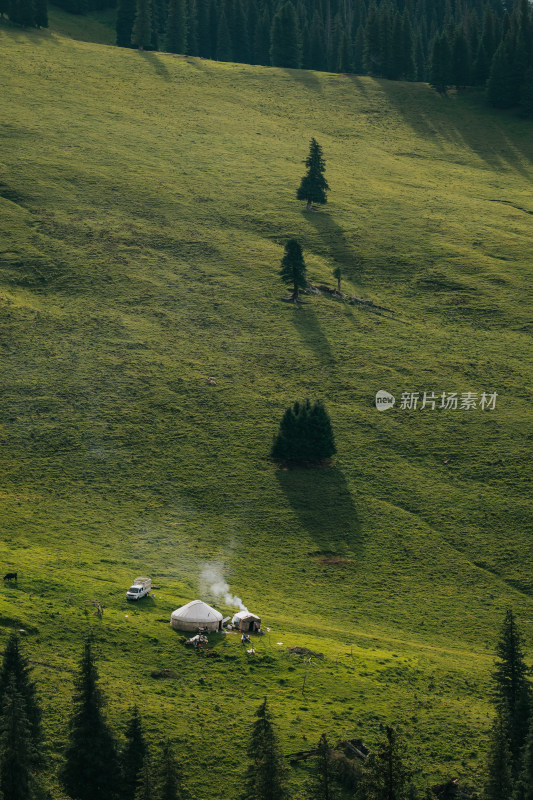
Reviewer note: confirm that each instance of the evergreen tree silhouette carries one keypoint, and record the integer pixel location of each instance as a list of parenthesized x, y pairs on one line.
[(293, 269), (285, 47), (91, 768), (265, 777), (314, 186)]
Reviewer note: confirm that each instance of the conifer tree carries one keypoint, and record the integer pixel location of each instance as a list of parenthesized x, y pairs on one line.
[(305, 435), (293, 269), (322, 785), (262, 39), (512, 694), (358, 47), (15, 668), (499, 779), (22, 13), (192, 28), (481, 66), (337, 274), (314, 186), (16, 756), (132, 756), (285, 45), (124, 24), (317, 43), (239, 33), (524, 785), (40, 13), (176, 35), (224, 49), (91, 767), (372, 42), (265, 776), (170, 776), (503, 87), (204, 29), (141, 33), (145, 784), (386, 777), (460, 60), (526, 100), (440, 64)]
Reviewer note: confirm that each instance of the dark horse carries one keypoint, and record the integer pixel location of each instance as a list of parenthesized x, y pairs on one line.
[(11, 576)]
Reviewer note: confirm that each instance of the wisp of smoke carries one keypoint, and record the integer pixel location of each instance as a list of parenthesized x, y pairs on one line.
[(212, 583)]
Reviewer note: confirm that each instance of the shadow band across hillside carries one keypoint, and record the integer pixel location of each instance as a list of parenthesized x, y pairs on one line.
[(321, 500), (337, 248)]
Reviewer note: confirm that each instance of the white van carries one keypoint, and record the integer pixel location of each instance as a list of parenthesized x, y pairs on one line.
[(140, 588)]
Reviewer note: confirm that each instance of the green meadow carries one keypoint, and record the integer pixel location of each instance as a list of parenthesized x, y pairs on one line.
[(145, 199)]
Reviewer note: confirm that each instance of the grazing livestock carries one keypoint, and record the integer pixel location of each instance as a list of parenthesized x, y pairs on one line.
[(11, 576)]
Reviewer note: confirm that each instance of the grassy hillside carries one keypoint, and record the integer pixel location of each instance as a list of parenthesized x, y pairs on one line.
[(145, 201)]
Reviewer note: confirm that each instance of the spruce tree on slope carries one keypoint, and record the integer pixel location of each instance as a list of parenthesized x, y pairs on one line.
[(322, 785), (91, 767), (176, 34), (224, 47), (265, 776), (499, 779), (124, 25), (141, 34), (385, 776), (293, 269), (170, 776), (132, 756), (285, 47), (314, 186), (512, 693), (16, 778), (15, 668), (524, 785)]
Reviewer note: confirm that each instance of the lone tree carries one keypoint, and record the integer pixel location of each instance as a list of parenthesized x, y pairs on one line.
[(265, 776), (314, 186), (91, 765), (293, 269), (337, 274), (305, 436), (512, 693)]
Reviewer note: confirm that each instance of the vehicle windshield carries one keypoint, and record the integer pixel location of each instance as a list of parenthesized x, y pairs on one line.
[(135, 589)]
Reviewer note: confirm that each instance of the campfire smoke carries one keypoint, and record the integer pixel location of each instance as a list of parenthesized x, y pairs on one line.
[(213, 584)]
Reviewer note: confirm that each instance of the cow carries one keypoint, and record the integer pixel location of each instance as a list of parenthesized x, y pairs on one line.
[(11, 576)]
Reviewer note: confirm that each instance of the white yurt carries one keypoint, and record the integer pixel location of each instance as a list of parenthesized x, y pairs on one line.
[(194, 615), (246, 622)]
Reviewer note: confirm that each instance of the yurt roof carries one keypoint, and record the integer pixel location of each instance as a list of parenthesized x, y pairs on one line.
[(197, 611), (240, 615)]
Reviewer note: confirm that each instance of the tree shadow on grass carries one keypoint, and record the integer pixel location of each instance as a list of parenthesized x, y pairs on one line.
[(321, 500), (305, 78), (337, 248), (156, 63), (306, 323), (461, 121)]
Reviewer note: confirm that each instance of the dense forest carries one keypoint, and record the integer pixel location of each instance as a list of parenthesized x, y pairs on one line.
[(453, 43), (110, 771)]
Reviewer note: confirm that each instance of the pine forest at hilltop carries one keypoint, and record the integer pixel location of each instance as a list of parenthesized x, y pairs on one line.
[(149, 356)]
